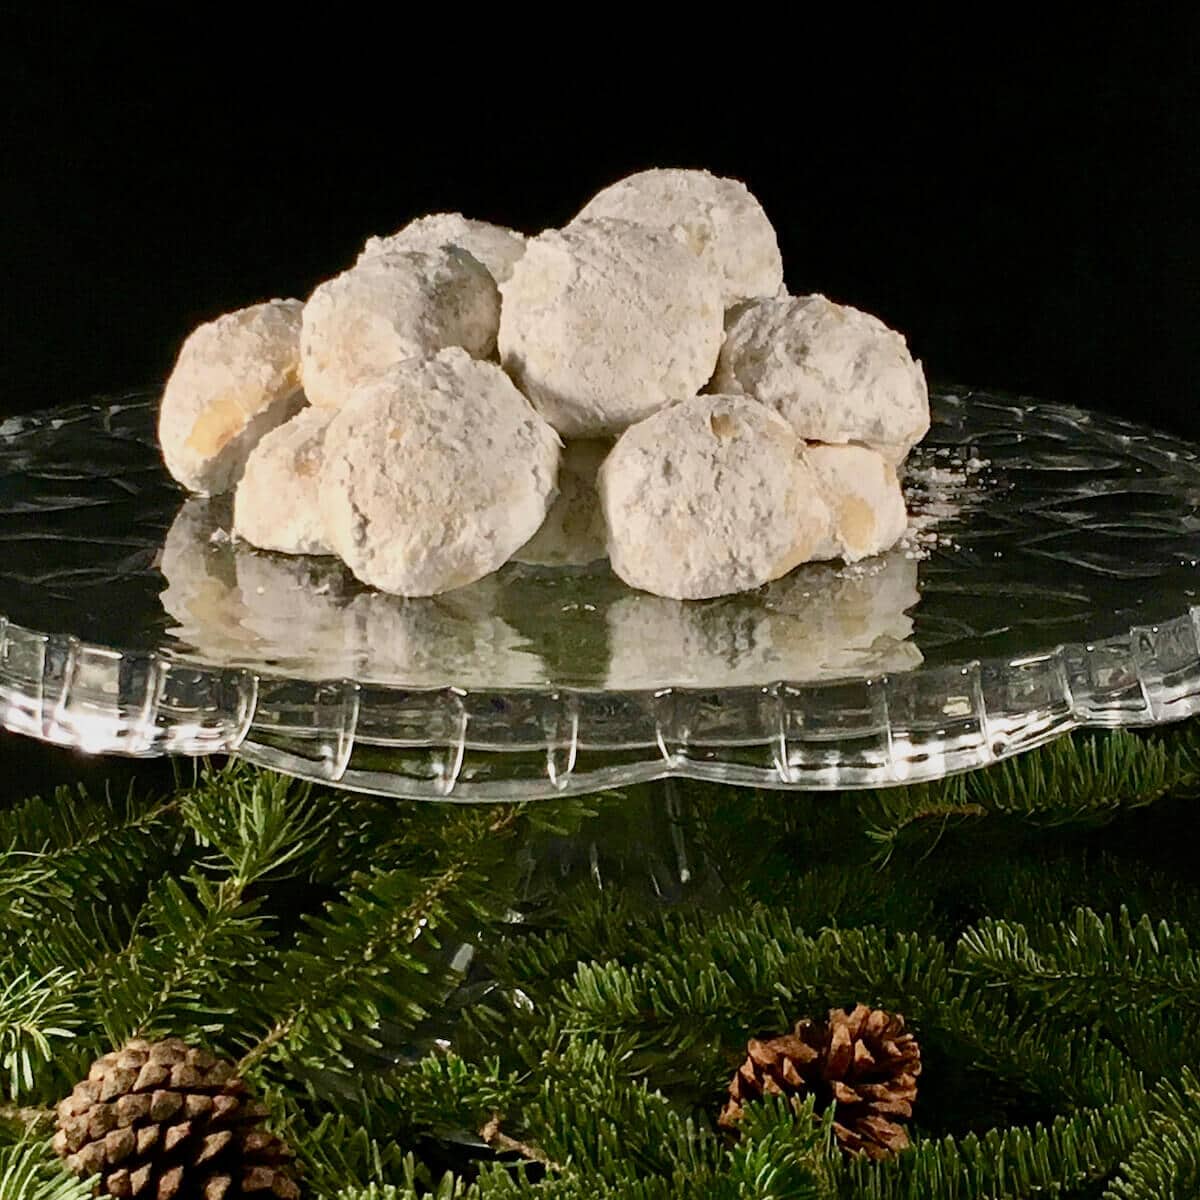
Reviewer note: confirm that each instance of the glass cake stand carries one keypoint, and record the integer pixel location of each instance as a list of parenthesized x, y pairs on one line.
[(1048, 581)]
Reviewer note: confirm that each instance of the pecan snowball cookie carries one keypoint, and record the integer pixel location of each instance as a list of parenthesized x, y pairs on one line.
[(435, 472), (836, 374), (573, 533), (864, 498), (494, 246), (718, 219), (276, 505), (709, 497), (235, 379), (606, 322), (393, 306)]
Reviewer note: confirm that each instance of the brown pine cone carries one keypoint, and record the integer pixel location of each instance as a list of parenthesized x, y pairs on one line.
[(861, 1061), (165, 1121)]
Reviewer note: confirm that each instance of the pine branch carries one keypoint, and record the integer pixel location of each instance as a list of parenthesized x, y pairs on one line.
[(495, 1137), (586, 1098), (175, 972), (259, 823), (30, 1171), (1086, 966), (193, 935), (1055, 1159), (594, 1060), (1165, 1163), (449, 1189), (31, 1013), (444, 1092), (54, 853), (338, 1151), (1083, 779), (784, 1152), (364, 955), (368, 936), (749, 968)]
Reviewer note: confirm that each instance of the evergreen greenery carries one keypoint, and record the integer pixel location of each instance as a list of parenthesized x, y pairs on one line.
[(464, 1003)]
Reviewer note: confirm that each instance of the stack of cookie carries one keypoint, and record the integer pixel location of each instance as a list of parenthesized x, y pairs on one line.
[(638, 383)]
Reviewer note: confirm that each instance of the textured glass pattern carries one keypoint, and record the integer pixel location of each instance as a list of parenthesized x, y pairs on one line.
[(1048, 581)]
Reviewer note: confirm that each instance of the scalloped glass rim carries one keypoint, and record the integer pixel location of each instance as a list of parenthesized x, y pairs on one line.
[(449, 744), (458, 744)]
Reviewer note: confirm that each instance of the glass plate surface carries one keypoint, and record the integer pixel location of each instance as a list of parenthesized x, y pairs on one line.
[(1048, 581)]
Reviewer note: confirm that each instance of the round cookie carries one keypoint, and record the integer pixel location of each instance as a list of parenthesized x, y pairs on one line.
[(606, 322), (276, 505), (573, 533), (496, 247), (864, 498), (895, 454), (235, 379), (389, 307), (836, 374), (718, 219), (435, 472), (709, 497)]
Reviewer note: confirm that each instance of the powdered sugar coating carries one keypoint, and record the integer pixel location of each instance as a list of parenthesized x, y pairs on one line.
[(235, 379), (836, 374), (605, 322), (276, 505), (895, 453), (436, 470), (719, 220), (573, 533), (389, 307), (709, 497), (864, 498), (496, 247)]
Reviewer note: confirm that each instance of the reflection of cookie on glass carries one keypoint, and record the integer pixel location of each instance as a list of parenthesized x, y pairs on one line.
[(455, 638), (198, 567), (573, 533), (306, 616), (238, 606), (820, 622), (296, 613)]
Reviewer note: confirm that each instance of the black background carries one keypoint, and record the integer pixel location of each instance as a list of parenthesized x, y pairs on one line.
[(1020, 202)]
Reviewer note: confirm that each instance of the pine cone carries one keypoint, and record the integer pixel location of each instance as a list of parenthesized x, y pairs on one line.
[(165, 1121), (861, 1061)]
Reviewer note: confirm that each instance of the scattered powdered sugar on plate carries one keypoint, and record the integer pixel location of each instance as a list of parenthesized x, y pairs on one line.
[(941, 485)]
